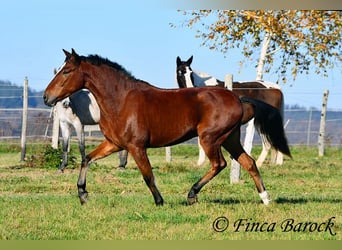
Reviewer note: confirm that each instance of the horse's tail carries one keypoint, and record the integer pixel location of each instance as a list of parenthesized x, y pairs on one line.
[(268, 121)]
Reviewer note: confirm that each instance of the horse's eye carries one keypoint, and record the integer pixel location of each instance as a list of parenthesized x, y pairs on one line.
[(179, 72), (66, 71)]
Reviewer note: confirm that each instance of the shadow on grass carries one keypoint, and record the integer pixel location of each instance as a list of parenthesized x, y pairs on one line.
[(282, 200)]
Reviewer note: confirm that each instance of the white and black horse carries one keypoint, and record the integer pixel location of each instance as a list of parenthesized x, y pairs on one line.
[(267, 92)]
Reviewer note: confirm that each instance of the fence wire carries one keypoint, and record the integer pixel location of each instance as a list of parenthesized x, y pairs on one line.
[(302, 128)]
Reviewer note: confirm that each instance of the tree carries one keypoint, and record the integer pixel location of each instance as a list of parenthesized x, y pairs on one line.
[(302, 40)]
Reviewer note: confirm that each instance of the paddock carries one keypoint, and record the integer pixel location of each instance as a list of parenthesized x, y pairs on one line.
[(305, 189)]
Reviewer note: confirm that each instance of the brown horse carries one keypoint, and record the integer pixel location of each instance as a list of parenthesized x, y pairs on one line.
[(136, 115), (269, 93)]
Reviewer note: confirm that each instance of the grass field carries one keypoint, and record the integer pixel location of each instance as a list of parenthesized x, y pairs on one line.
[(38, 203)]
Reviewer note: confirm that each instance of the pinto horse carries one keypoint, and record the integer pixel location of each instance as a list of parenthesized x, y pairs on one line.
[(136, 115), (75, 111), (267, 92)]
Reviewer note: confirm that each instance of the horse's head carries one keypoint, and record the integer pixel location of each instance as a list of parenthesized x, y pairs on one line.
[(184, 73), (67, 80)]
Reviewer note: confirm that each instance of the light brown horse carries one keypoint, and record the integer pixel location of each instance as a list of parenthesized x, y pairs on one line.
[(136, 115)]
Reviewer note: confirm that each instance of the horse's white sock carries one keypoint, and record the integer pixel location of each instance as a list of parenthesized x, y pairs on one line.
[(265, 197)]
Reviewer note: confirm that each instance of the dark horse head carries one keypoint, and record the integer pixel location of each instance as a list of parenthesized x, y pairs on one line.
[(184, 71)]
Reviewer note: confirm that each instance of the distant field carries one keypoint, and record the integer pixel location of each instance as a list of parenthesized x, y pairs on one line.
[(38, 203)]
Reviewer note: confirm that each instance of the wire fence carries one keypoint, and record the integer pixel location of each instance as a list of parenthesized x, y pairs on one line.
[(302, 128)]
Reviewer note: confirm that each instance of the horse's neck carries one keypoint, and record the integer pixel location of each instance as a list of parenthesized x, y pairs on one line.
[(110, 92), (203, 79)]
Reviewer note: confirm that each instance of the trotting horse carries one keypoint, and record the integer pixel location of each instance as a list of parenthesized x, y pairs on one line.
[(78, 110), (136, 115), (267, 92)]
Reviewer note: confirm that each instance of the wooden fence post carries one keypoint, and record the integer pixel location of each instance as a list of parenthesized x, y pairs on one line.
[(235, 170), (168, 154), (24, 121), (322, 124)]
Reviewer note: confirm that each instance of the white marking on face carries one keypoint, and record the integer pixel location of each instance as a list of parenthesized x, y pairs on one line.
[(58, 70), (187, 76)]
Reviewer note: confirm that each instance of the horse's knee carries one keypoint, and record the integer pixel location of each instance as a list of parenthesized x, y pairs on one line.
[(218, 165), (247, 162)]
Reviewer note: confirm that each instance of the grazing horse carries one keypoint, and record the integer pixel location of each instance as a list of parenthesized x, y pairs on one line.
[(267, 92), (78, 110), (136, 115)]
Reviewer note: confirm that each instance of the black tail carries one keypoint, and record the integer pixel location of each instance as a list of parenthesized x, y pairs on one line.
[(268, 121)]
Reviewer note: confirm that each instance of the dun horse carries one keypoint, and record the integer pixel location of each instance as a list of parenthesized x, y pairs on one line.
[(267, 92), (136, 115), (78, 110)]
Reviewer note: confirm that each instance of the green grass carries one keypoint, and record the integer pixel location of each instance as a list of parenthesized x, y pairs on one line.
[(38, 203)]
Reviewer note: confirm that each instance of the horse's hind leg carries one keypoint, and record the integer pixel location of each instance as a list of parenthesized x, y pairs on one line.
[(201, 154), (234, 147), (140, 156), (102, 150), (123, 159), (265, 148), (218, 163)]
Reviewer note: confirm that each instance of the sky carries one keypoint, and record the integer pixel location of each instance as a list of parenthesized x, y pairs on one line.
[(137, 35)]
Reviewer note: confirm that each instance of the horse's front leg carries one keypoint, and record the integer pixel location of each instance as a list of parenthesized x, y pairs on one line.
[(102, 150), (79, 128), (65, 129), (140, 156)]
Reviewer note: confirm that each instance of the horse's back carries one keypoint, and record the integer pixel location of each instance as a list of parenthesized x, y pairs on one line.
[(257, 90)]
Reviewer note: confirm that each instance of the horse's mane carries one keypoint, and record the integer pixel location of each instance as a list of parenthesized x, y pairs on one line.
[(98, 60)]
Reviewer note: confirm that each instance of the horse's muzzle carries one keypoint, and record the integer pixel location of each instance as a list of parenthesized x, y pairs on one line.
[(49, 100)]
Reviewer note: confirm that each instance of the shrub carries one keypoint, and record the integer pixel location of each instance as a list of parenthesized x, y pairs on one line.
[(48, 157)]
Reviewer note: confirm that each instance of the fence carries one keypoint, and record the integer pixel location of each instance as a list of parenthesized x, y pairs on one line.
[(302, 128)]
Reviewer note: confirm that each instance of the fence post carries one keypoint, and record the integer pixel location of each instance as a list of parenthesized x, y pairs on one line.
[(55, 129), (24, 121), (322, 124), (168, 154), (235, 170), (309, 129)]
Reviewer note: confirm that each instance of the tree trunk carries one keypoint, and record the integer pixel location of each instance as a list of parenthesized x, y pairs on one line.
[(250, 130)]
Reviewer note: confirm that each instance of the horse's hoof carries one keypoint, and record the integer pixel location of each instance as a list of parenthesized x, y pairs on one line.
[(121, 168), (192, 200), (83, 198), (60, 171)]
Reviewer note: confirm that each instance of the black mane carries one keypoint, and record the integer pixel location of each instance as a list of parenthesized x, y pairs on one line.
[(98, 60)]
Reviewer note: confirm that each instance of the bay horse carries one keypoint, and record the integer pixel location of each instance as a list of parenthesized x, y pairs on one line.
[(267, 92), (136, 115), (75, 111)]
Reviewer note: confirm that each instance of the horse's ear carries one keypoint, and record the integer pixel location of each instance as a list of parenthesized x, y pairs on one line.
[(73, 52), (67, 53), (178, 61), (72, 57), (189, 61)]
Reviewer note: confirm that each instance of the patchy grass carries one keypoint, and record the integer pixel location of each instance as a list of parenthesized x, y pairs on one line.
[(38, 203)]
